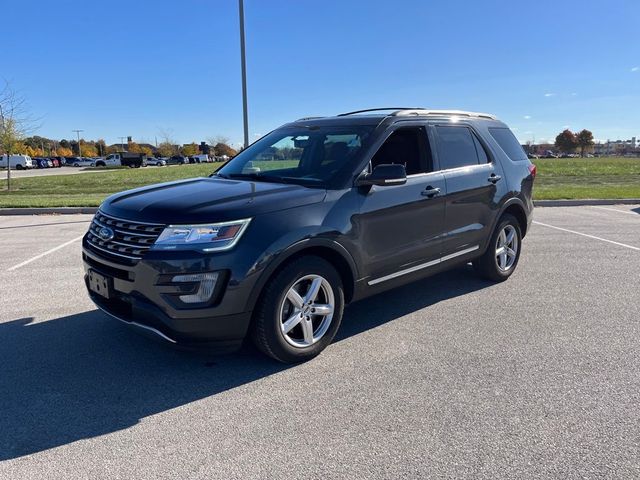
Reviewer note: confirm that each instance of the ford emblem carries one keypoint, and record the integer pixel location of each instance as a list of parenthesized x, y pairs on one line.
[(106, 234)]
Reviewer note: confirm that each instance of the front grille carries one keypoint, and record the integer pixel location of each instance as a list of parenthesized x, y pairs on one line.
[(130, 241)]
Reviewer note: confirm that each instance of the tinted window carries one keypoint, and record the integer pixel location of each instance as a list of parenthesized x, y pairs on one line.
[(482, 154), (509, 143), (456, 147), (299, 155)]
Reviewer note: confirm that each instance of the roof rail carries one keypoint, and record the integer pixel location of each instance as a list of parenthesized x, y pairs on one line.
[(406, 111), (461, 113), (395, 109), (307, 118)]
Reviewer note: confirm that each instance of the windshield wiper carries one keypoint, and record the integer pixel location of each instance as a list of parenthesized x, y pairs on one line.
[(261, 177), (256, 176)]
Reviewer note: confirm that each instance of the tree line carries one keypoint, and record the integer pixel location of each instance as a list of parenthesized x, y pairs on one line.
[(569, 142), (37, 146)]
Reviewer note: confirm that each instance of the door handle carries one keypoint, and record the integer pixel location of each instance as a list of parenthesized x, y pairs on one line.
[(430, 192), (494, 178)]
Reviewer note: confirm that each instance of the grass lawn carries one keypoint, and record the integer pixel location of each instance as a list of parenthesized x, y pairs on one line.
[(578, 178), (558, 178), (89, 189)]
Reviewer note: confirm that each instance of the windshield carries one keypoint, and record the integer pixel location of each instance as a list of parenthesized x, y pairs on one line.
[(304, 155)]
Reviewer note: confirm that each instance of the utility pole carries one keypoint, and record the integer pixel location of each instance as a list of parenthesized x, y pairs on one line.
[(243, 62), (122, 143), (79, 148)]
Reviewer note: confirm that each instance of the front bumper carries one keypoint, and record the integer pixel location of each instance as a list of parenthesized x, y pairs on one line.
[(141, 298)]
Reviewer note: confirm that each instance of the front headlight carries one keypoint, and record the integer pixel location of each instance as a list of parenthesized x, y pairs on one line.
[(208, 238)]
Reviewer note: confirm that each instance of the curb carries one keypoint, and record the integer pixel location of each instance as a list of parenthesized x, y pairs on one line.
[(537, 203), (48, 211), (587, 202)]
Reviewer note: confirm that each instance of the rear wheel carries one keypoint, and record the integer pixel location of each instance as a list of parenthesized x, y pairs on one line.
[(300, 310), (19, 167), (502, 255)]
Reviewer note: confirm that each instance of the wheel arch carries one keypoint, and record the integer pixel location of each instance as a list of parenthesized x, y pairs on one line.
[(331, 251), (516, 208)]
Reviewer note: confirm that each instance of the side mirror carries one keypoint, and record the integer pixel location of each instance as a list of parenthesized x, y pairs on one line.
[(384, 175)]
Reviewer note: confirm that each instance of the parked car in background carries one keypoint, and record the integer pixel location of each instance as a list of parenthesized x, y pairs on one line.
[(39, 162), (18, 162), (55, 162), (80, 162), (199, 158), (156, 162), (177, 160)]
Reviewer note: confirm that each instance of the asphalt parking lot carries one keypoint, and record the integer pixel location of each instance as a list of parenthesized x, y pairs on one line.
[(537, 377)]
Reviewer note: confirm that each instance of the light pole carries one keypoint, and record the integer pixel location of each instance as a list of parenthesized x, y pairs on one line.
[(122, 142), (243, 62), (79, 148)]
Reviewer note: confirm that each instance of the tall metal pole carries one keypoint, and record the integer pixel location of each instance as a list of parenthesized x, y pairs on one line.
[(243, 62), (79, 148)]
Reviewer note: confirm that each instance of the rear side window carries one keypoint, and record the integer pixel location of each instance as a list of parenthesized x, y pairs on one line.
[(456, 147), (509, 143)]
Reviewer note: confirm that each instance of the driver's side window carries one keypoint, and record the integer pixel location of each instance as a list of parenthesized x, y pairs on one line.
[(408, 146)]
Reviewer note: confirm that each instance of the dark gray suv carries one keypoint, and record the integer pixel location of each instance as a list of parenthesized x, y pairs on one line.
[(318, 213)]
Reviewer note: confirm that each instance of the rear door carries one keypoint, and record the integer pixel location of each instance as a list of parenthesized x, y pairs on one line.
[(474, 186)]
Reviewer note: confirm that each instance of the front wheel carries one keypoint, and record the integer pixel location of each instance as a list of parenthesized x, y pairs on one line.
[(502, 255), (19, 167), (300, 310)]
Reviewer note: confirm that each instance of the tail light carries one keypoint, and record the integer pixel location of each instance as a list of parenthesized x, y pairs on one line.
[(533, 170)]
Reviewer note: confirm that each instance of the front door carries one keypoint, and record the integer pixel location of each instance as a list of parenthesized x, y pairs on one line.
[(401, 226)]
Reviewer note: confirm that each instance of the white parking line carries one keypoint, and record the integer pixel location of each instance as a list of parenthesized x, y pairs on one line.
[(26, 262), (616, 210), (588, 236)]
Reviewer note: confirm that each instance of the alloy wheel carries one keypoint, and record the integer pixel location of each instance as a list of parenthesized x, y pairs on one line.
[(306, 311), (507, 248)]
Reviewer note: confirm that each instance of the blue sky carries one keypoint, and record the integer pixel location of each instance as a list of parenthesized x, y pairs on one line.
[(139, 68)]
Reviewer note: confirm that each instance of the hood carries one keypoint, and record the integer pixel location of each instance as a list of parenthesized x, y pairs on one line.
[(203, 200)]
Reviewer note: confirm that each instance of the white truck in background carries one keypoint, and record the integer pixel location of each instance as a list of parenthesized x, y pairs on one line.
[(122, 159), (17, 162)]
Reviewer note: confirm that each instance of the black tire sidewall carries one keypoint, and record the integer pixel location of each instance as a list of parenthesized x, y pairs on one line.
[(506, 220), (273, 342)]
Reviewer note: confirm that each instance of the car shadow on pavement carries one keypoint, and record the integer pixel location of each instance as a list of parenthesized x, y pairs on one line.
[(85, 375)]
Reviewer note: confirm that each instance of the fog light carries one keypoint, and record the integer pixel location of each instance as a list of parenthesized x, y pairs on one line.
[(207, 284)]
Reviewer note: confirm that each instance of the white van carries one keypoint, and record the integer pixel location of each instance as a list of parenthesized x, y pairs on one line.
[(18, 162)]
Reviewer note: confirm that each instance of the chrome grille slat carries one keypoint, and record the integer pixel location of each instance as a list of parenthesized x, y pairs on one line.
[(131, 239)]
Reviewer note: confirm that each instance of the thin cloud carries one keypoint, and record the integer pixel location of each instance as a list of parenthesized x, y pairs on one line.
[(527, 117), (635, 69), (574, 94), (549, 94)]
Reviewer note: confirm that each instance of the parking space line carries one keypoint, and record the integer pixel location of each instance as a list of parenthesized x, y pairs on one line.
[(616, 210), (26, 262), (588, 236)]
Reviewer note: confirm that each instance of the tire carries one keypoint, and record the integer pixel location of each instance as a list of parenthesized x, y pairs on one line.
[(500, 267), (100, 164), (19, 167), (299, 344)]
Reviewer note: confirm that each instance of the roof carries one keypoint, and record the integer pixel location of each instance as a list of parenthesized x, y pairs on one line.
[(374, 116)]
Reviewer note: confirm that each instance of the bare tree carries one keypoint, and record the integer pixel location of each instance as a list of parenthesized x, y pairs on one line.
[(15, 123), (214, 140), (168, 145)]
